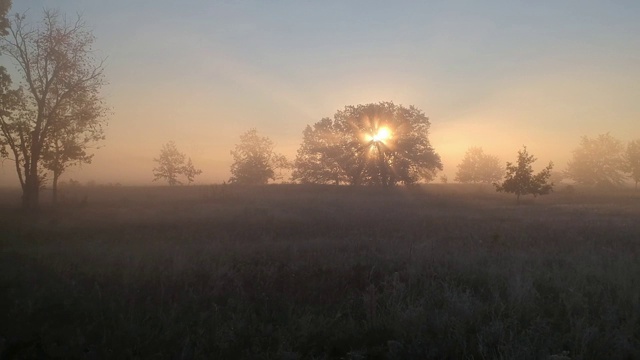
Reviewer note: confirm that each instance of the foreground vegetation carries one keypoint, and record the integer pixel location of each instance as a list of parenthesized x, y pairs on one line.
[(292, 272)]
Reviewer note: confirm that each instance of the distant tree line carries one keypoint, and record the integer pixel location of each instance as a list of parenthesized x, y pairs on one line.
[(385, 144)]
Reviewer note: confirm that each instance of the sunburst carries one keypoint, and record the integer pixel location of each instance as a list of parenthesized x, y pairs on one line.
[(381, 135)]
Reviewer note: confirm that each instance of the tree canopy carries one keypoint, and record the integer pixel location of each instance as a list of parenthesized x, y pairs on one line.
[(597, 161), (254, 160), (478, 167), (373, 144), (520, 180)]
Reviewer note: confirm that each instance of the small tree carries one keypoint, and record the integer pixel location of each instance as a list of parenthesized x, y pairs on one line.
[(172, 163), (190, 171), (254, 161), (520, 180), (632, 161), (478, 167)]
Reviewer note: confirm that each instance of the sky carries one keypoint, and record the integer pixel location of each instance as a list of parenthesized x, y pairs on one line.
[(495, 74)]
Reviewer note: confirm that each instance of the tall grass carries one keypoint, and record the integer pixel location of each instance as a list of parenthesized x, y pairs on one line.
[(292, 272)]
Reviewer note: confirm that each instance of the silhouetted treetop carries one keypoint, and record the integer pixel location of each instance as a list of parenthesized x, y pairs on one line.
[(60, 106)]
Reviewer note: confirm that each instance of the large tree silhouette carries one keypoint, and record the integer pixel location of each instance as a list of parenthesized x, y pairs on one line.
[(373, 144), (56, 61)]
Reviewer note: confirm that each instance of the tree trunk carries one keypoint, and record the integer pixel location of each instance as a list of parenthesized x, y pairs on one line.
[(25, 197), (54, 188), (518, 199), (382, 168), (30, 192)]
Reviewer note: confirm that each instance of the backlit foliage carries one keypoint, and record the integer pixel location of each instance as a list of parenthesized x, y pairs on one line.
[(374, 144)]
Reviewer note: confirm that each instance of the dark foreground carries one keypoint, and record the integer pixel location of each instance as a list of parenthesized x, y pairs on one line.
[(287, 272)]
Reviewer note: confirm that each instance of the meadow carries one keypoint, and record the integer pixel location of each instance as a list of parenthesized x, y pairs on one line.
[(440, 271)]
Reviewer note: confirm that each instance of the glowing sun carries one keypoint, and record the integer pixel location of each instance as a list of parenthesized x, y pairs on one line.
[(382, 135)]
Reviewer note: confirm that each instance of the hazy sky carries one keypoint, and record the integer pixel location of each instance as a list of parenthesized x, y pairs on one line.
[(496, 74)]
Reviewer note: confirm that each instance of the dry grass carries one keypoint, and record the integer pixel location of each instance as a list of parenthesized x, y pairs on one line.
[(293, 272)]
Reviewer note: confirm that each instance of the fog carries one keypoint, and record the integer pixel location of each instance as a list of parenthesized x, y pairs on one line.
[(498, 77)]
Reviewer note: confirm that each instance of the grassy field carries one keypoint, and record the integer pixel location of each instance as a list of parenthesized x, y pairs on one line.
[(295, 272)]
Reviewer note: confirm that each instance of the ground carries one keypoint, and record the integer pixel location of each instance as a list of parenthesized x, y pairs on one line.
[(304, 272)]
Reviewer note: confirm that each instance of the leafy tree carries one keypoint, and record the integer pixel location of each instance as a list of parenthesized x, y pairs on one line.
[(597, 161), (520, 180), (373, 144), (57, 64), (172, 163), (254, 161), (478, 167), (632, 161)]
